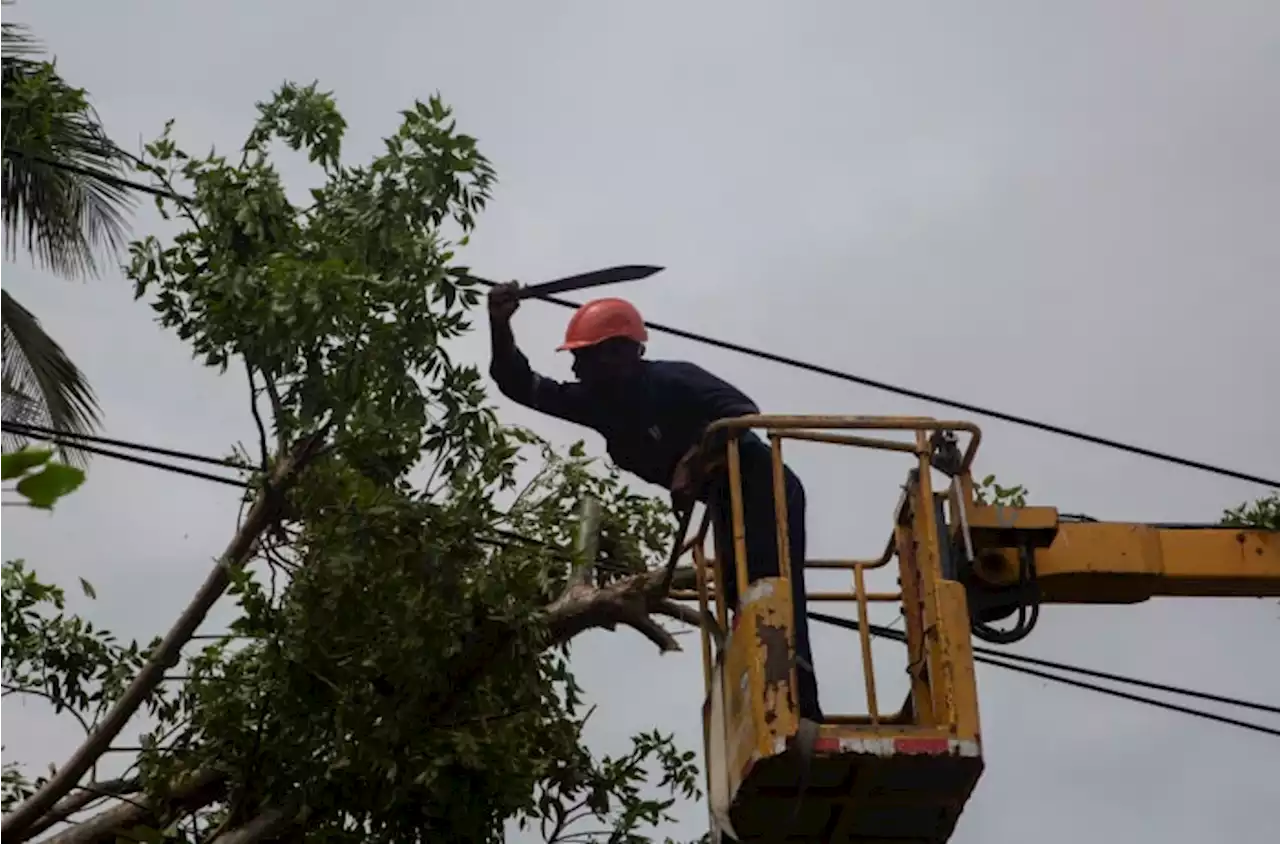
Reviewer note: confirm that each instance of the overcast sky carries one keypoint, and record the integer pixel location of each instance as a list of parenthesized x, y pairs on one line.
[(1064, 210)]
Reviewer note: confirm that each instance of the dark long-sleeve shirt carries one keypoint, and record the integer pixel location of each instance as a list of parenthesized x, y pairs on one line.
[(651, 423)]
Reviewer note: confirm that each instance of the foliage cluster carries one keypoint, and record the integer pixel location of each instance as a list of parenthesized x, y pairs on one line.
[(395, 671)]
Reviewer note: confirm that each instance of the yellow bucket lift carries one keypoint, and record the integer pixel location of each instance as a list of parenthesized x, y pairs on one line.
[(904, 776)]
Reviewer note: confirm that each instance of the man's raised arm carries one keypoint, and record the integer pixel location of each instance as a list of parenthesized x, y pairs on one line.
[(511, 371)]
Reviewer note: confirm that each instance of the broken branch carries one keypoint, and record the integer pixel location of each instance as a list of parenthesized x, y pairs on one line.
[(628, 601)]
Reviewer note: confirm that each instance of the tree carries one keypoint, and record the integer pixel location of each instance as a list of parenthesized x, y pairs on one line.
[(398, 668), (1262, 513), (62, 204)]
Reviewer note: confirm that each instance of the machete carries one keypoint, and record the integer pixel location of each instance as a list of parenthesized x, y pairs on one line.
[(610, 275)]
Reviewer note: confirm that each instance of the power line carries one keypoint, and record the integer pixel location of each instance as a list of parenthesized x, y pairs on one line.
[(502, 537), (998, 659), (129, 458), (977, 410), (1063, 666), (86, 442), (1123, 695), (1133, 681), (41, 432)]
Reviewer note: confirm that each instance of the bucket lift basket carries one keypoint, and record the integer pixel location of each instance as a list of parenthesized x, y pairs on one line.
[(873, 776)]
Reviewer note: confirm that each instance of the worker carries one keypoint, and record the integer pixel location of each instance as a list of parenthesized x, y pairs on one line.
[(653, 416)]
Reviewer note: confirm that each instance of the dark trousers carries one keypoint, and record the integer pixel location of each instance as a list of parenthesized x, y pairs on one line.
[(762, 552)]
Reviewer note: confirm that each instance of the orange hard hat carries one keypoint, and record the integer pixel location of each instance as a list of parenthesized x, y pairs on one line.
[(603, 319)]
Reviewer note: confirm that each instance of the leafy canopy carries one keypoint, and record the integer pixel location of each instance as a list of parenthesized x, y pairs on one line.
[(394, 672)]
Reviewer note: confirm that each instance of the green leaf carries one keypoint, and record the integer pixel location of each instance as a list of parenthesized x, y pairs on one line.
[(50, 484), (18, 463), (87, 587)]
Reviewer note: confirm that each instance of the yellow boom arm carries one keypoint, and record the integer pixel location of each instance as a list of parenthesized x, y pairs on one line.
[(1013, 559), (1118, 563)]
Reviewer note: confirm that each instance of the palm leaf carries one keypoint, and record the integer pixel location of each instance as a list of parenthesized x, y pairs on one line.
[(41, 384), (62, 200), (18, 42), (63, 203)]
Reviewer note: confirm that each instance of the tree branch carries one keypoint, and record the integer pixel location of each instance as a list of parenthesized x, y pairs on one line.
[(49, 696), (628, 601), (693, 617), (684, 578), (16, 825), (77, 802), (196, 793), (257, 416), (265, 825), (277, 408), (581, 607), (678, 611)]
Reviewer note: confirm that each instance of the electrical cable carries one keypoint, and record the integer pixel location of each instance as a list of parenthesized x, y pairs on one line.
[(1123, 695), (129, 458), (977, 410), (890, 633), (40, 432), (796, 363), (998, 659), (983, 655), (1133, 681), (1028, 607), (85, 442), (501, 537)]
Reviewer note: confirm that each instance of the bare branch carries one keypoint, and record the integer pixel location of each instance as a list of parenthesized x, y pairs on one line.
[(197, 792), (52, 698), (16, 825), (78, 802), (678, 611), (257, 416), (277, 409), (693, 617), (266, 825)]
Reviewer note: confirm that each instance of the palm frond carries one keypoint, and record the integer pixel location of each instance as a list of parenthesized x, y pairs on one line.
[(41, 384), (18, 407), (17, 42), (61, 202)]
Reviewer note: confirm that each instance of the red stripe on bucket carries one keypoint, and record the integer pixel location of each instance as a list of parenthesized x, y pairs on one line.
[(930, 746)]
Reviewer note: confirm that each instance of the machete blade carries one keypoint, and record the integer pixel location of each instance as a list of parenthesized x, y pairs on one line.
[(595, 278)]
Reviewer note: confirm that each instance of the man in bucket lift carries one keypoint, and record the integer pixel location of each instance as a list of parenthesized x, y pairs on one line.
[(653, 415)]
